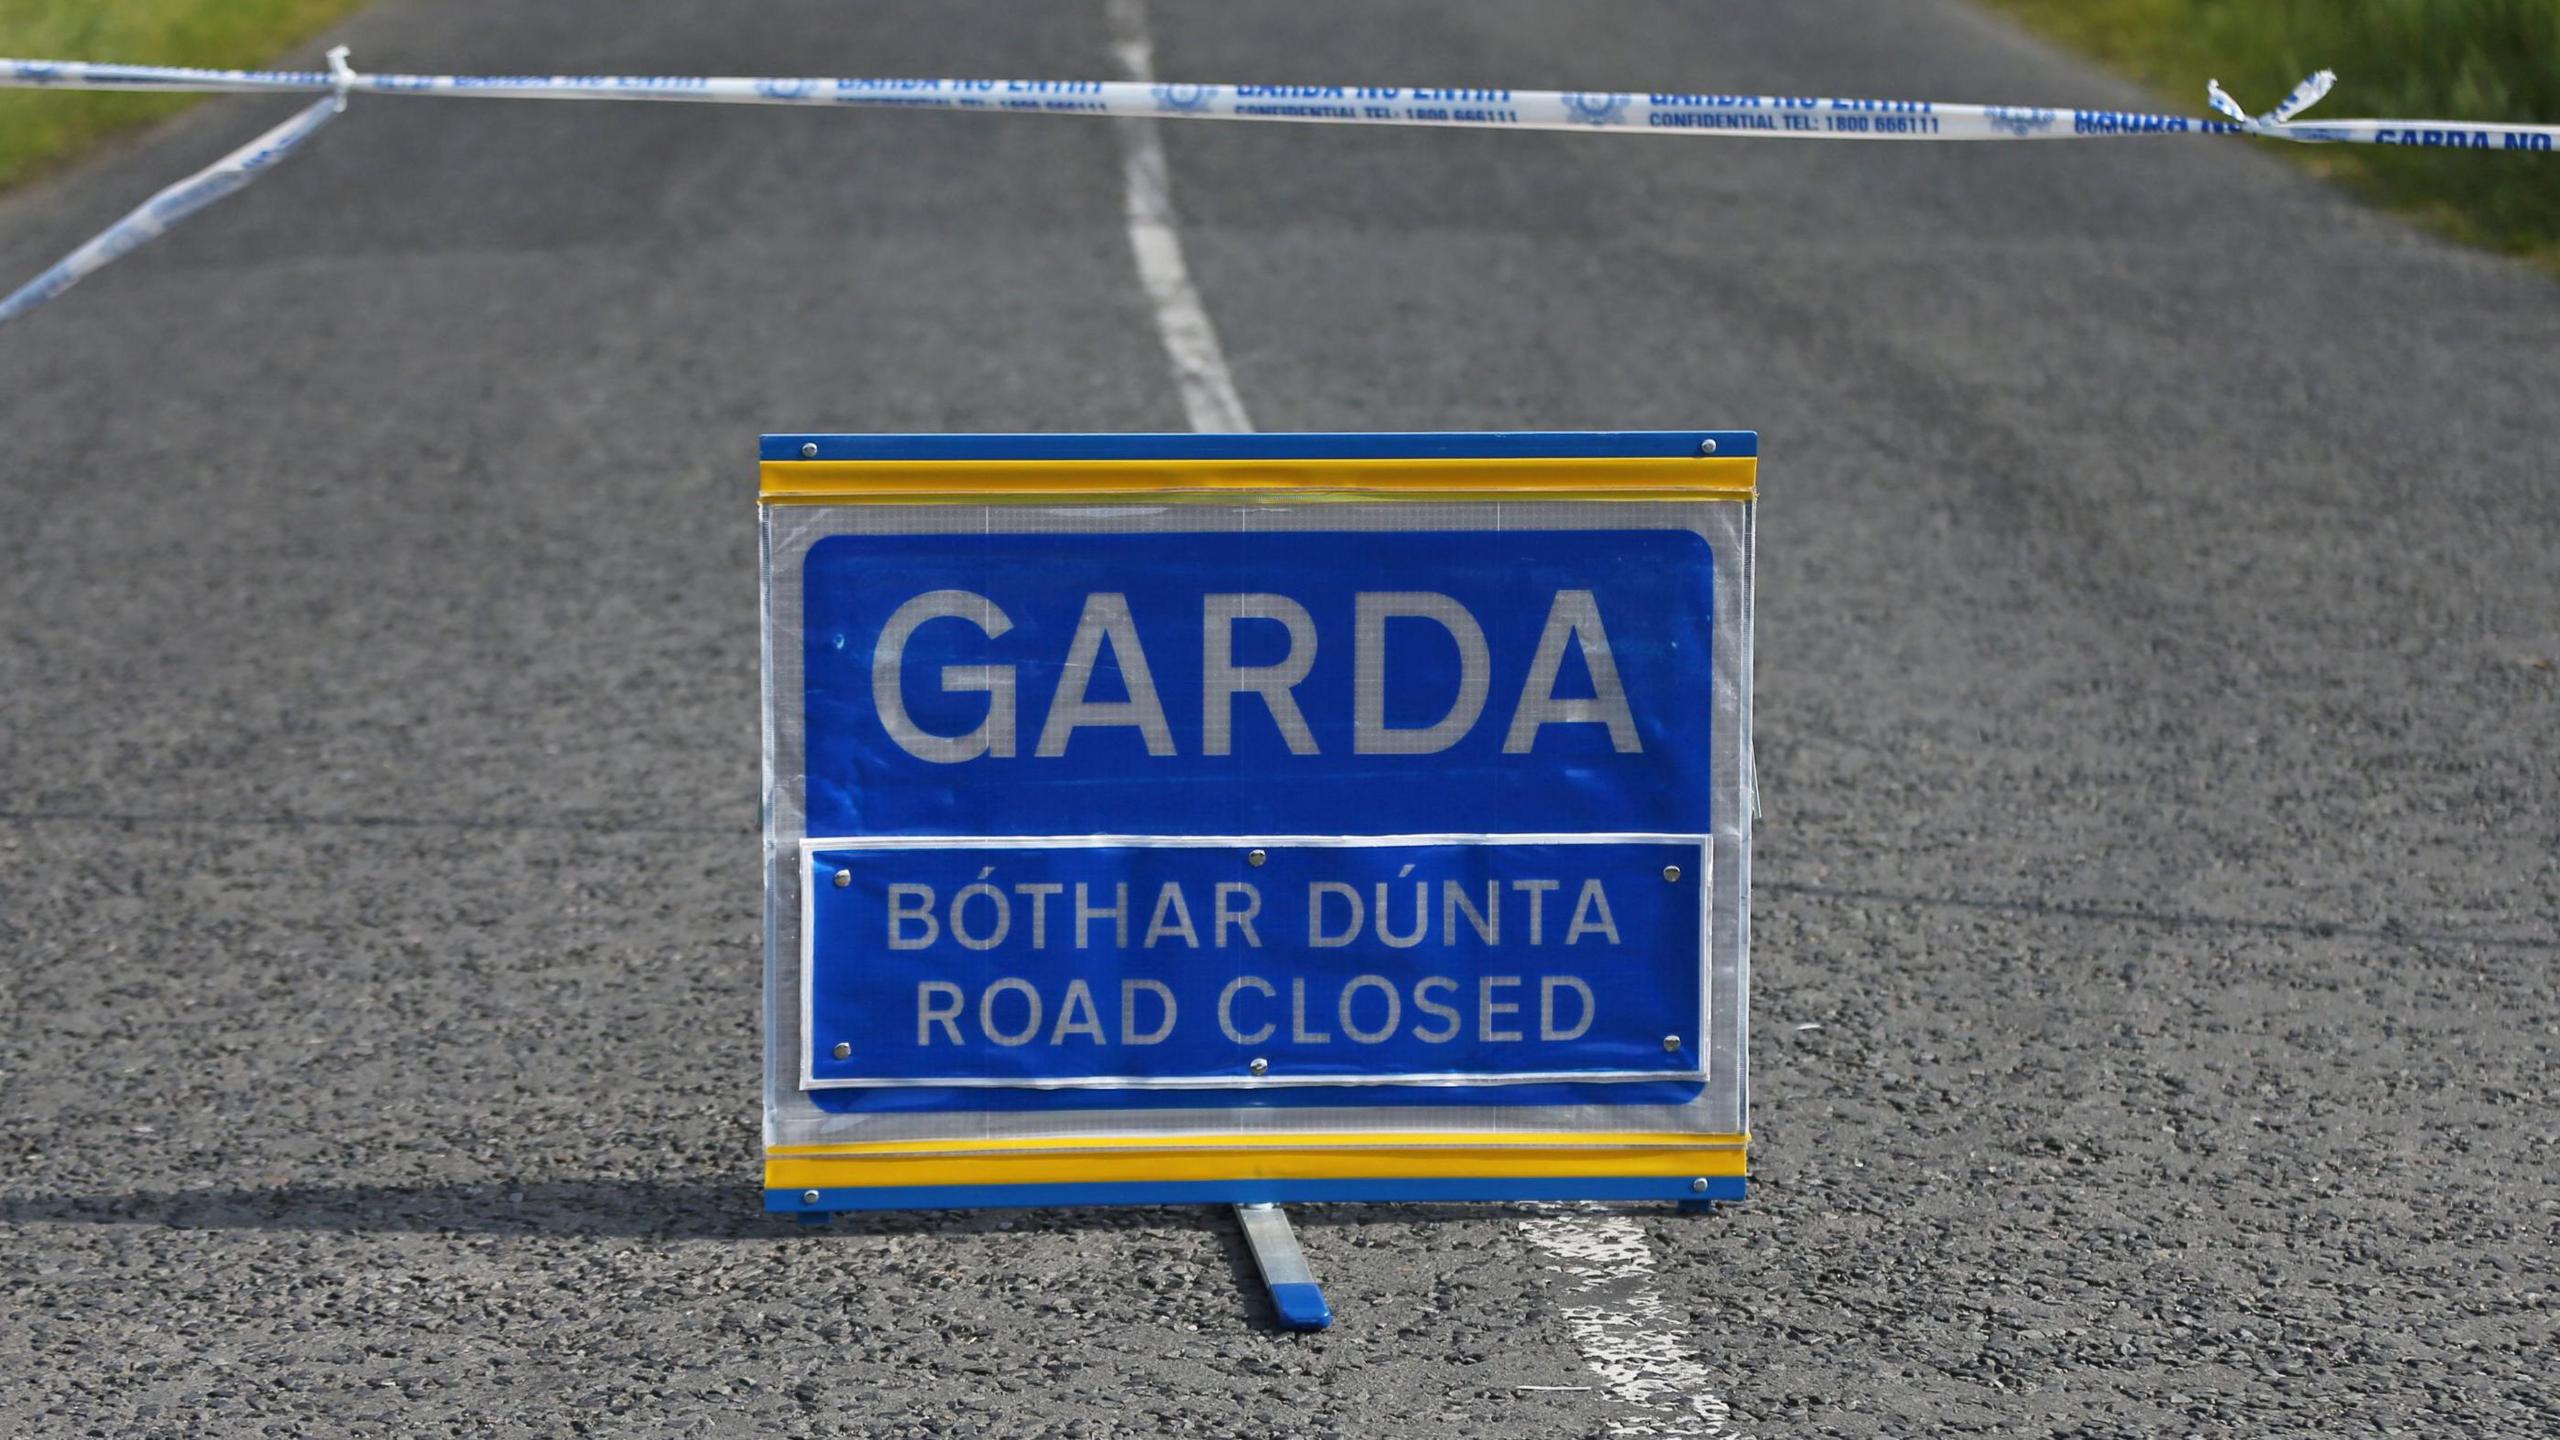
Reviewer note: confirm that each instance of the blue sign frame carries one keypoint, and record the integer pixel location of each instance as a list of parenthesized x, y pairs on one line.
[(1086, 553)]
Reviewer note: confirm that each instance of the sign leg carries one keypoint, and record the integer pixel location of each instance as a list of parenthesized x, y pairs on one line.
[(1295, 1296)]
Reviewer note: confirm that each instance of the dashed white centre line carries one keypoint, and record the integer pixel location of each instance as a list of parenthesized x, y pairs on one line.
[(1209, 398), (1625, 1330)]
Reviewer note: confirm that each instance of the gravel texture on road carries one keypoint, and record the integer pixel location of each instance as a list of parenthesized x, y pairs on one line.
[(2159, 883)]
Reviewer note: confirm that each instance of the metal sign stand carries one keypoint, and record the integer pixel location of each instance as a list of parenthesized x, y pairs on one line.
[(1295, 1297)]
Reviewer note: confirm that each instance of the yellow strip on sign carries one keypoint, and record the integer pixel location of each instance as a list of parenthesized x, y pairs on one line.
[(1334, 1140), (1612, 477), (1238, 1163)]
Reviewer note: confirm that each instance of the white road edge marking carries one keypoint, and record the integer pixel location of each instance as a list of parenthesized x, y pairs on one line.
[(1627, 1334), (1209, 398)]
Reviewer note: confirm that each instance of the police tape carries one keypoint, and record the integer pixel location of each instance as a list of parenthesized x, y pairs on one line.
[(1772, 116), (1661, 113), (152, 219)]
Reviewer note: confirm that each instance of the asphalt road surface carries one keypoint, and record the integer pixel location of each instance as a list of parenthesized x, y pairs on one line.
[(2157, 1002)]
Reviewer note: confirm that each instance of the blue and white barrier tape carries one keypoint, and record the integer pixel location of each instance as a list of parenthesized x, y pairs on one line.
[(154, 217), (1762, 115), (1770, 116)]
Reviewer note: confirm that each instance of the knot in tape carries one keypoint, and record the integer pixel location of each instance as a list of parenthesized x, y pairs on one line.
[(342, 76), (2304, 96)]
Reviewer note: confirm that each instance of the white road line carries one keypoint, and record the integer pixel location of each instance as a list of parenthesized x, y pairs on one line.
[(1626, 1333), (1209, 397)]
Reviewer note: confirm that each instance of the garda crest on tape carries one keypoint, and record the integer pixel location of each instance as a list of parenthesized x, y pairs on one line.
[(1256, 818)]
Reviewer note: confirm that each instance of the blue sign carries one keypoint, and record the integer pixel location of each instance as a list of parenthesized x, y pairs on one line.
[(1474, 712), (1227, 683), (1221, 962)]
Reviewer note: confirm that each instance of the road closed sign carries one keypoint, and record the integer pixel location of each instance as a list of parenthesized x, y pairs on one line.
[(1265, 818)]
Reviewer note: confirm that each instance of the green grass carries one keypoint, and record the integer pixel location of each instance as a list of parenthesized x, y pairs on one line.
[(2396, 59), (40, 129)]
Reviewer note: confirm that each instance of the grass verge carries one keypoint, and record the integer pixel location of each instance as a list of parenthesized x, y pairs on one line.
[(2396, 59), (41, 129)]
